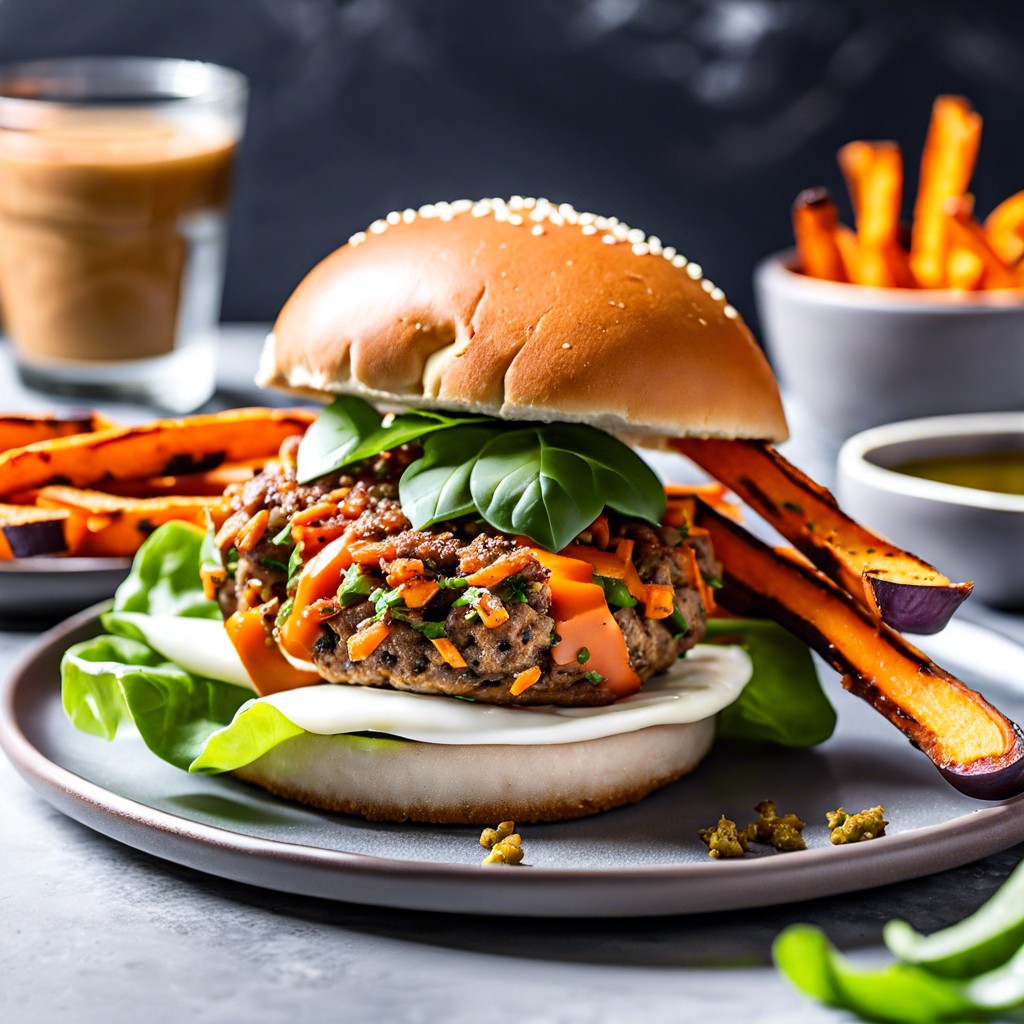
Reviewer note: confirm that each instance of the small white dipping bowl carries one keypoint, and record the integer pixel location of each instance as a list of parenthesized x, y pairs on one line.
[(853, 357), (964, 532)]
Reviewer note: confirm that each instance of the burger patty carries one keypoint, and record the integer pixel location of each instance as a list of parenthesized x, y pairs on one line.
[(365, 506)]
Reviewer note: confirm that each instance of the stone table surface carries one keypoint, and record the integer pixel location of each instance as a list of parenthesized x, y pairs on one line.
[(93, 931)]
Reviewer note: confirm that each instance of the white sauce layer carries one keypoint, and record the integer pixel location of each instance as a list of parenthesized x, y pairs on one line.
[(696, 687)]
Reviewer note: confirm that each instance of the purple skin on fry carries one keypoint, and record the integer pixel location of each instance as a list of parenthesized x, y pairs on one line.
[(909, 608), (994, 784), (29, 540)]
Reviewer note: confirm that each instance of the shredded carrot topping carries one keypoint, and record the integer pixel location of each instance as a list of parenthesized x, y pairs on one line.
[(660, 602), (600, 531), (252, 533), (501, 568), (524, 680), (362, 644), (624, 550), (314, 513), (403, 569), (212, 579), (449, 652), (417, 592), (492, 612)]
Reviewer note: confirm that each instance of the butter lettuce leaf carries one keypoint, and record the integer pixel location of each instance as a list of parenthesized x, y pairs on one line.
[(257, 728), (164, 578), (110, 680)]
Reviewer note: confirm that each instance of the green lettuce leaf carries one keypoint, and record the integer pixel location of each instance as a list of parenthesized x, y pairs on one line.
[(112, 679), (164, 578), (783, 703), (254, 730)]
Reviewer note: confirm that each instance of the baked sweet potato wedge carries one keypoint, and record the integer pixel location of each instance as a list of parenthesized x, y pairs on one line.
[(20, 429), (905, 591), (978, 750), (162, 448), (115, 526)]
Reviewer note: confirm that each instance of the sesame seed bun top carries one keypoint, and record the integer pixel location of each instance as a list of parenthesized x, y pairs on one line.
[(526, 310)]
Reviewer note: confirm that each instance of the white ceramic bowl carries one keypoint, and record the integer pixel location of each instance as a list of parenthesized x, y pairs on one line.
[(966, 533), (854, 357)]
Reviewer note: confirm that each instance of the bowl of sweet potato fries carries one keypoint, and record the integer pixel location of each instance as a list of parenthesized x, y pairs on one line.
[(883, 320)]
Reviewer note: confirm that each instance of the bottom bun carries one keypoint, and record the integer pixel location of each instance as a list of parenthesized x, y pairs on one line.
[(385, 779)]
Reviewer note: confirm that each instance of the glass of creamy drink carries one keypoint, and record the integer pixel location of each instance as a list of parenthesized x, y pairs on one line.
[(114, 181)]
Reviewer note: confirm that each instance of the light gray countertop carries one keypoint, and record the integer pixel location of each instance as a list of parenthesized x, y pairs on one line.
[(94, 931)]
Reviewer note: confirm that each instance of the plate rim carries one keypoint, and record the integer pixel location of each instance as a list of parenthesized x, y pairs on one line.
[(643, 890)]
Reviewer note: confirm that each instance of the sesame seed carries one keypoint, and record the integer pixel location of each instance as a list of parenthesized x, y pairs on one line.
[(542, 212), (566, 344)]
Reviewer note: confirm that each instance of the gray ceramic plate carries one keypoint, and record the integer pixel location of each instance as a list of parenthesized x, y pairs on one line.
[(638, 860), (50, 588)]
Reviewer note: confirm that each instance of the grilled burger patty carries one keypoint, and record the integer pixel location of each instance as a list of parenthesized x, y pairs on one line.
[(364, 505)]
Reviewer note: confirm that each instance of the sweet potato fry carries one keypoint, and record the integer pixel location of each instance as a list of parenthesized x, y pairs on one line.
[(947, 164), (967, 233), (978, 750), (815, 220), (874, 176), (1004, 229), (905, 591), (20, 429), (964, 270), (116, 526), (213, 481), (164, 447)]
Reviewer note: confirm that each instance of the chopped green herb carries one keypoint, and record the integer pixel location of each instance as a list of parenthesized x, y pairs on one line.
[(616, 593), (231, 561), (594, 678), (273, 563), (792, 506), (677, 620), (284, 611), (555, 639), (283, 536), (584, 656), (473, 595), (385, 601), (713, 582), (294, 566), (452, 582), (355, 586), (514, 589), (431, 630)]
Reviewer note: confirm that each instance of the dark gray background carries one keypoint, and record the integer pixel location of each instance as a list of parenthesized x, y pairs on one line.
[(697, 120)]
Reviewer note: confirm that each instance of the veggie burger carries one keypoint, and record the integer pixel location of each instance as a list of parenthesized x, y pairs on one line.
[(483, 530)]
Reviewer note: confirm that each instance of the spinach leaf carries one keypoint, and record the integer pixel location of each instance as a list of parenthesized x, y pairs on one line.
[(783, 702), (436, 487), (333, 435), (550, 481), (350, 430)]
